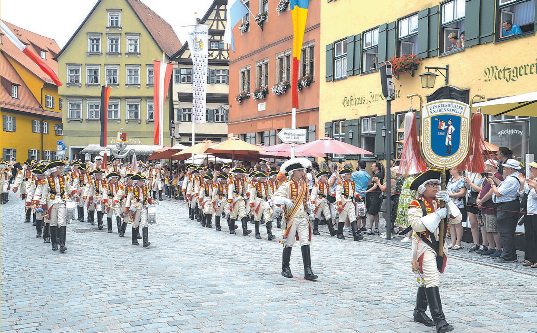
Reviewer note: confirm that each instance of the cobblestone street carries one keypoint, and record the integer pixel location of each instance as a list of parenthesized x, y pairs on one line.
[(194, 279)]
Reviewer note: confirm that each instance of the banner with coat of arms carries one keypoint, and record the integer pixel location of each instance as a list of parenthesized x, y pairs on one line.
[(446, 132), (198, 42)]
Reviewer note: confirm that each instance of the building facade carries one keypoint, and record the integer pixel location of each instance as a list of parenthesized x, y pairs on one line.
[(259, 94), (117, 44), (488, 61), (215, 128), (30, 106)]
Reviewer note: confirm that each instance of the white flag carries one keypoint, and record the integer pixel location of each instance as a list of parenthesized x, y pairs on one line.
[(198, 42)]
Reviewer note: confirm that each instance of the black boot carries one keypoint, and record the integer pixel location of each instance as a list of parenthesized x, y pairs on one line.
[(209, 220), (286, 258), (46, 233), (190, 213), (306, 259), (355, 232), (435, 306), (118, 223), (33, 219), (109, 224), (81, 213), (232, 226), (138, 236), (134, 236), (28, 214), (245, 231), (100, 220), (331, 227), (269, 231), (217, 223), (279, 222), (316, 227), (154, 195), (54, 237), (63, 234), (340, 226), (91, 216), (203, 220), (159, 195), (257, 234), (421, 306), (145, 232), (122, 229), (39, 228)]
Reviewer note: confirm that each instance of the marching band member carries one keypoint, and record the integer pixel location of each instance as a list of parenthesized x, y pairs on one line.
[(237, 195), (206, 201), (136, 206), (120, 200), (111, 206), (345, 198), (22, 180), (80, 177), (260, 193), (220, 203), (273, 183), (5, 171), (319, 193), (95, 192)]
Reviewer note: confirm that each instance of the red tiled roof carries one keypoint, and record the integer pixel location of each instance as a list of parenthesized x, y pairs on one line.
[(26, 101), (36, 43), (160, 30)]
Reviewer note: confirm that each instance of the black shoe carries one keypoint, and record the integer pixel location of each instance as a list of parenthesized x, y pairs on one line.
[(257, 234), (363, 229), (474, 247), (134, 237), (340, 227), (232, 226), (54, 237), (63, 234), (46, 233), (331, 228), (28, 213), (145, 233), (286, 258), (481, 249), (245, 231), (421, 306), (217, 223), (355, 233), (209, 220), (118, 223), (109, 224), (203, 220), (501, 260), (316, 227), (38, 228), (122, 229), (435, 306), (270, 236), (306, 259)]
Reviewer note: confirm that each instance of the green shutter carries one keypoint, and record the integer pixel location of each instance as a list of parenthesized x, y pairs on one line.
[(357, 54), (350, 56), (14, 123), (179, 115), (328, 129), (391, 40), (383, 29), (4, 154), (380, 148), (433, 31), (226, 113), (353, 125), (4, 119), (329, 62), (423, 33), (210, 115), (486, 28), (471, 33)]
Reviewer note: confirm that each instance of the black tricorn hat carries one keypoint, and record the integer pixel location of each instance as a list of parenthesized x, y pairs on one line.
[(113, 174), (427, 175)]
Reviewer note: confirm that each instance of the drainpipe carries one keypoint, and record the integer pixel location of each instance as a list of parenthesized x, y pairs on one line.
[(42, 125)]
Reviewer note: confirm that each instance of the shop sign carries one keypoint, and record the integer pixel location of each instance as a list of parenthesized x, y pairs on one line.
[(509, 73), (371, 97), (445, 125)]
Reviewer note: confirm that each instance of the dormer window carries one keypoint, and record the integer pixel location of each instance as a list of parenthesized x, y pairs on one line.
[(15, 91), (114, 19), (44, 55)]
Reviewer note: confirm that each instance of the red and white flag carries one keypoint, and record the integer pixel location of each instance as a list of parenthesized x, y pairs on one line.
[(162, 74), (39, 62)]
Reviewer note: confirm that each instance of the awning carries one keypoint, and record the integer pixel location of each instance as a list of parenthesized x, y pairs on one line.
[(524, 105), (138, 149)]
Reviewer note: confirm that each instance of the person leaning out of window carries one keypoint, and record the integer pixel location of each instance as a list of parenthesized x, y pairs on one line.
[(453, 40), (530, 221), (510, 29)]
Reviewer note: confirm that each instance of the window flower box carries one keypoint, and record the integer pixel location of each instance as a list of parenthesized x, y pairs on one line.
[(304, 81), (242, 96), (282, 6), (261, 18), (244, 27), (407, 63), (260, 93), (281, 88)]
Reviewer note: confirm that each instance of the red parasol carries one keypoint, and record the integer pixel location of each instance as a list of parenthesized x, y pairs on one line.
[(330, 146)]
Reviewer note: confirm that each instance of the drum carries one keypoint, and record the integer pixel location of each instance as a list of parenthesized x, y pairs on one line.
[(152, 215), (70, 210)]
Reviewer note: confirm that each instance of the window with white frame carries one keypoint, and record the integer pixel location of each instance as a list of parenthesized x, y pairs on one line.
[(74, 109), (261, 73), (9, 123), (150, 74), (94, 43), (217, 45), (283, 66), (45, 127), (114, 19), (185, 75), (60, 104), (46, 155), (370, 50), (246, 18), (133, 110), (517, 17), (338, 133), (307, 61), (58, 129), (15, 91), (113, 109), (263, 6), (133, 44), (340, 59), (114, 42), (33, 154), (408, 35), (36, 126), (10, 154), (44, 55), (220, 115), (453, 15), (186, 115), (112, 74), (150, 110), (221, 76), (133, 74), (368, 132), (73, 74), (94, 110), (244, 79), (49, 101), (93, 74), (177, 76)]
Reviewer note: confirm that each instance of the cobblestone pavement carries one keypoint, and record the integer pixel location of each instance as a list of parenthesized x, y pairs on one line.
[(194, 279)]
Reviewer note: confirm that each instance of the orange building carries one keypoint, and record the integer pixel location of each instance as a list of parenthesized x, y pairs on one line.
[(260, 73)]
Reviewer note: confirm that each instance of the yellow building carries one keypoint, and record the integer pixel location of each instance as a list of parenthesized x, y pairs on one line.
[(30, 104), (485, 61), (117, 43)]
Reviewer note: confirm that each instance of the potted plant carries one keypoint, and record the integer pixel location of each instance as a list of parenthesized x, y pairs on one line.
[(261, 18), (304, 81), (260, 93), (407, 63), (281, 88), (242, 96), (282, 6), (244, 27)]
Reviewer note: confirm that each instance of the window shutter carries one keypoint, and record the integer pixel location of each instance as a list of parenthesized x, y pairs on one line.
[(15, 154), (38, 155), (383, 29), (486, 28), (350, 55), (328, 129), (353, 125), (14, 120), (4, 154), (266, 138), (433, 31), (53, 102), (213, 76), (210, 118), (471, 33), (329, 62), (180, 114), (30, 154), (391, 40), (226, 113), (380, 148), (357, 54), (423, 33), (227, 76), (4, 123)]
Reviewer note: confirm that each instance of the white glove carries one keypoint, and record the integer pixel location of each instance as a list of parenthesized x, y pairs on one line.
[(289, 203), (443, 196), (442, 213), (453, 210)]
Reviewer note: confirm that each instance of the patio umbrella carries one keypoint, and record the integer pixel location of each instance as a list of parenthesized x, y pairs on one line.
[(236, 148), (198, 148), (166, 152), (330, 146), (284, 150)]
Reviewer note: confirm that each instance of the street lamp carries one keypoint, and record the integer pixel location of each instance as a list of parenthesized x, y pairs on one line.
[(428, 78)]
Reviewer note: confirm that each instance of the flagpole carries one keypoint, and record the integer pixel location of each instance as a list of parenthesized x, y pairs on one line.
[(161, 109)]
